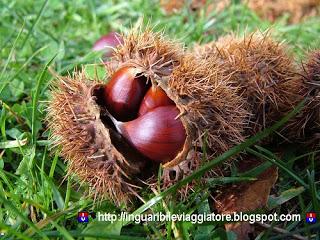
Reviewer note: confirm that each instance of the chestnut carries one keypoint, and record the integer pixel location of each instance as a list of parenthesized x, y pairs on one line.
[(154, 97), (157, 134), (107, 43), (124, 93)]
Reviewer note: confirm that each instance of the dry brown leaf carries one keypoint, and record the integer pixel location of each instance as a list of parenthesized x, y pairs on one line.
[(246, 197), (298, 10), (171, 6)]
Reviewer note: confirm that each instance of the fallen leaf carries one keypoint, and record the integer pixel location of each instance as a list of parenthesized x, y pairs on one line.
[(246, 197), (296, 11), (172, 6)]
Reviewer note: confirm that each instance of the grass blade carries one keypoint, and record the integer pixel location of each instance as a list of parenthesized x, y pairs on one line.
[(279, 164), (35, 99), (256, 170), (23, 218), (313, 191), (21, 68), (64, 233), (283, 236), (13, 143), (12, 231), (94, 235), (227, 180), (11, 52), (35, 22)]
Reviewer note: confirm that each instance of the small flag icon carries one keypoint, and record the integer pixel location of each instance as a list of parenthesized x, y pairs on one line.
[(83, 217), (311, 217)]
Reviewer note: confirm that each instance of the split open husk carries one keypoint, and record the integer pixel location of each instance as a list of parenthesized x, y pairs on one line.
[(211, 111)]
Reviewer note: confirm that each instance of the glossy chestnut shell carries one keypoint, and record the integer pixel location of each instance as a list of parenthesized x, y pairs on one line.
[(124, 93), (158, 135), (154, 97)]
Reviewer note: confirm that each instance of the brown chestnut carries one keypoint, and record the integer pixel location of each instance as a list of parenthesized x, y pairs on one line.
[(154, 97), (107, 43), (124, 92), (157, 135)]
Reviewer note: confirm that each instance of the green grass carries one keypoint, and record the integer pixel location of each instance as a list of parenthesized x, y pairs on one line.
[(34, 201)]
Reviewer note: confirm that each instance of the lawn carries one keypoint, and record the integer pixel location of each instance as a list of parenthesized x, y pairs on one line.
[(39, 39)]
